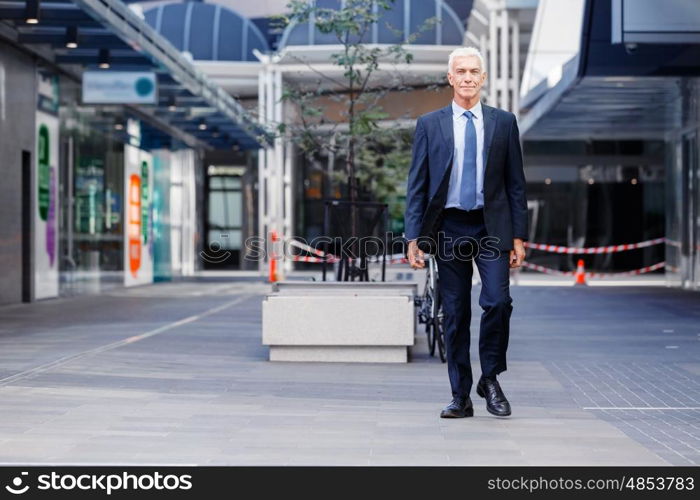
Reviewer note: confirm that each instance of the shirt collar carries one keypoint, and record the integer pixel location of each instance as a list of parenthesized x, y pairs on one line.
[(458, 110)]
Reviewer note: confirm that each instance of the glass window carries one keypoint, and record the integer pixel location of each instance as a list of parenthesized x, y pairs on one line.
[(220, 182), (91, 231), (225, 208)]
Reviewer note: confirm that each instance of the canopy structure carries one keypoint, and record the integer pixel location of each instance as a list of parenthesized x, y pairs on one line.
[(221, 41), (406, 17), (229, 36), (108, 35), (609, 89)]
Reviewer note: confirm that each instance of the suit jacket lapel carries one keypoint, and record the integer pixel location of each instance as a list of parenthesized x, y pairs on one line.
[(489, 127), (447, 128)]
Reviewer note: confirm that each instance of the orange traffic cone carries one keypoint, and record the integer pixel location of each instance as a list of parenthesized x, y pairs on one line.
[(580, 274)]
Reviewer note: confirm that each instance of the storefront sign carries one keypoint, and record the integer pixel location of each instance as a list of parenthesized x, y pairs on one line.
[(134, 225), (138, 229), (45, 198), (47, 98), (119, 87), (45, 220)]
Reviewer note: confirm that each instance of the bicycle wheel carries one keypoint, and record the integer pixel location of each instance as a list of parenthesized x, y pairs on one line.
[(430, 337), (430, 305), (438, 319), (429, 326), (439, 333)]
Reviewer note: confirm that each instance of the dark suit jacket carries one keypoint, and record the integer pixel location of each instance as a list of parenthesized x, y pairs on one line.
[(505, 203)]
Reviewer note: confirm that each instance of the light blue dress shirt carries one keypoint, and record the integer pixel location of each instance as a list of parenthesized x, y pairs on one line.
[(459, 123)]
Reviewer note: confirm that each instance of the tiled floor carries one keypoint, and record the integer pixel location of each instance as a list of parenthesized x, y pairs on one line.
[(176, 373)]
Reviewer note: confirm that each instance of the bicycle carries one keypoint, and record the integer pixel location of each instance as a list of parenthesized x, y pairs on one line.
[(430, 311)]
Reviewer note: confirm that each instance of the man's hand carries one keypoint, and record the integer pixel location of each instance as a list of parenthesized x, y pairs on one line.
[(415, 255), (517, 255)]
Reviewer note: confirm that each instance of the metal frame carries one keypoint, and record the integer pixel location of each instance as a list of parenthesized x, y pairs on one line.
[(133, 44), (133, 30), (343, 263), (440, 5)]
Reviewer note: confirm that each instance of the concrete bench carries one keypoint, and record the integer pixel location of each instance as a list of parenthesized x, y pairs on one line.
[(339, 321)]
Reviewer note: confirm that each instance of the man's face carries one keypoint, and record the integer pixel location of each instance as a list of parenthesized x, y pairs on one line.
[(466, 76)]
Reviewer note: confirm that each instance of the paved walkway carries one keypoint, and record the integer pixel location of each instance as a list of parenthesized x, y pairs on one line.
[(175, 374)]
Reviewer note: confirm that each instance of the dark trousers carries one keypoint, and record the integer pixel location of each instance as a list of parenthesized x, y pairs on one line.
[(455, 271)]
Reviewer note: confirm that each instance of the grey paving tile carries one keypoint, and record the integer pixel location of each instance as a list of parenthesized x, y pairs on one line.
[(204, 393)]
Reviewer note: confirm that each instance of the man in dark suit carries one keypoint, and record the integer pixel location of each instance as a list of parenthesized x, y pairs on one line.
[(466, 201)]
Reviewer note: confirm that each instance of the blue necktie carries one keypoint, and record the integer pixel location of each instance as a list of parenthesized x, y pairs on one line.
[(467, 193)]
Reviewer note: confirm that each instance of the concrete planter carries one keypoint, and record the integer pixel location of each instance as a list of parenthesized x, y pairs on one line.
[(369, 322)]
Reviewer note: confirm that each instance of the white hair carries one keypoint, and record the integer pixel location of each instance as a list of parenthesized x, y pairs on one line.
[(465, 51)]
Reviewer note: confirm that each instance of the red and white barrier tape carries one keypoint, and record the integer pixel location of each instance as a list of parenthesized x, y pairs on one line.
[(306, 258), (402, 260), (546, 270), (535, 246), (389, 258), (397, 258), (528, 265), (635, 272), (304, 246), (593, 250), (333, 258)]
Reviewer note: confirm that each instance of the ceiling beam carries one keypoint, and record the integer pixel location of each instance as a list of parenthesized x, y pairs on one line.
[(133, 30)]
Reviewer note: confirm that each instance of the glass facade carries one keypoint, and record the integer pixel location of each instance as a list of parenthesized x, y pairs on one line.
[(162, 258), (683, 193), (91, 200), (92, 204), (103, 185), (596, 194)]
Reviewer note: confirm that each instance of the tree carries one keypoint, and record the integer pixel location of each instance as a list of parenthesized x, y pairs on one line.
[(375, 153), (366, 74)]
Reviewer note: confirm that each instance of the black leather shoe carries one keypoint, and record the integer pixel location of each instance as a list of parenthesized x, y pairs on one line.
[(458, 408), (496, 402)]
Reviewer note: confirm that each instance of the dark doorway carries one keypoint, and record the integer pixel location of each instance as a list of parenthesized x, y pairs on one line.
[(224, 222), (26, 226)]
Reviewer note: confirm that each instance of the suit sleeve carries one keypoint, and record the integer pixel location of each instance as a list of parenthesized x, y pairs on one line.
[(417, 186), (515, 184)]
